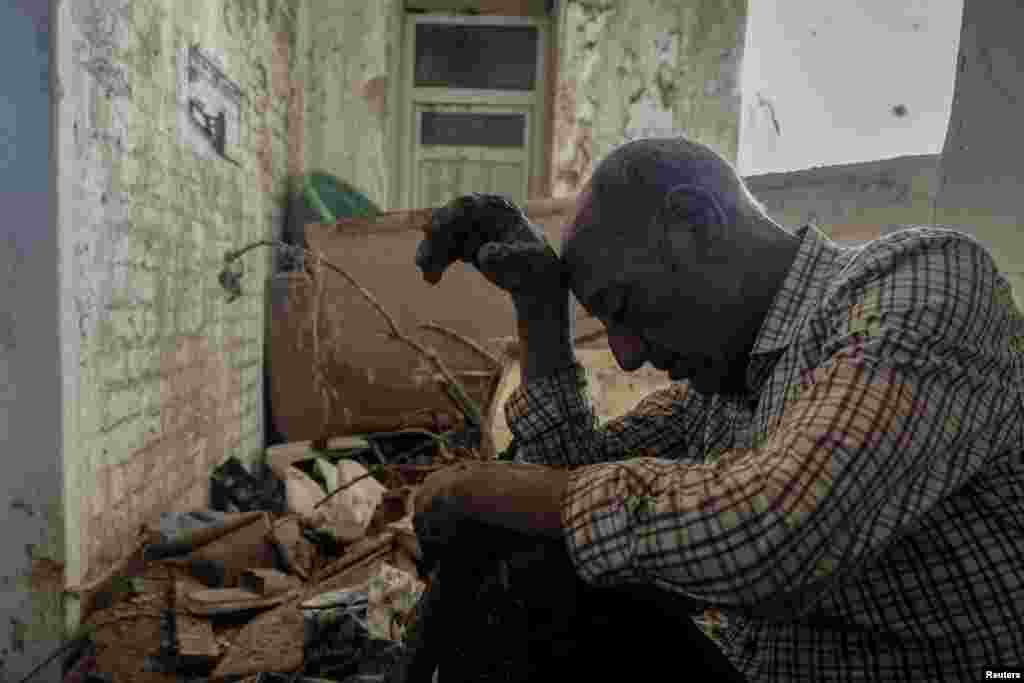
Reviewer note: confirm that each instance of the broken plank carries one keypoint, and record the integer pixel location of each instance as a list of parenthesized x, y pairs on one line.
[(197, 647)]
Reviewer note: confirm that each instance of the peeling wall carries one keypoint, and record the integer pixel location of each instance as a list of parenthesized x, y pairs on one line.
[(625, 70), (163, 379), (644, 68), (31, 475), (349, 53)]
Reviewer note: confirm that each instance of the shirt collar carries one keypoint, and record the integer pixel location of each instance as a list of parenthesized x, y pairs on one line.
[(802, 289)]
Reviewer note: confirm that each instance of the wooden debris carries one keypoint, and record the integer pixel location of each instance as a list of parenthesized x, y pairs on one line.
[(355, 554), (217, 601), (127, 634), (273, 642), (268, 582), (197, 647), (232, 522), (244, 548), (298, 553)]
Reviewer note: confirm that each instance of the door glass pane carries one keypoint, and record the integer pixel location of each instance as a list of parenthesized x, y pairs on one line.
[(482, 57), (472, 129)]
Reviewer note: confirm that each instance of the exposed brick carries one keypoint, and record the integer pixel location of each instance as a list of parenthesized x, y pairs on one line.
[(118, 487), (134, 474), (151, 428), (99, 495), (176, 416), (199, 496), (172, 481), (185, 214), (192, 379)]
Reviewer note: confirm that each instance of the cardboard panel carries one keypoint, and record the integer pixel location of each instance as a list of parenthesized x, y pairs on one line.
[(378, 381)]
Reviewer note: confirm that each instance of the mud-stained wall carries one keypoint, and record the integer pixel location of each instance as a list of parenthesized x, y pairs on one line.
[(31, 476), (163, 378), (644, 68)]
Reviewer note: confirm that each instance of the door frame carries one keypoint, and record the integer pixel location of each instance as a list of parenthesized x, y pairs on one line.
[(408, 96)]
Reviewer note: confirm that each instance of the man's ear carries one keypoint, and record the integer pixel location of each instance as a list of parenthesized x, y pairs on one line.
[(692, 215)]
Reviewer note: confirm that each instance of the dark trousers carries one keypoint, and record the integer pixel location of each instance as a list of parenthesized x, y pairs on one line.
[(512, 609)]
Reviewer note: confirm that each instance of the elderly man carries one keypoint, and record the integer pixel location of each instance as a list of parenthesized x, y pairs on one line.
[(838, 464)]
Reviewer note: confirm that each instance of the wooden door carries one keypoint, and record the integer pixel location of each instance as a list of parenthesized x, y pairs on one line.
[(470, 148), (472, 111)]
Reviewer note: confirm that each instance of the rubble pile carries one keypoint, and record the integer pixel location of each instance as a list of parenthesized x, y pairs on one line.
[(309, 572)]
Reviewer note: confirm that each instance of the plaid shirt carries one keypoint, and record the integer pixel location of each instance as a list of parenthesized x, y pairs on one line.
[(860, 515)]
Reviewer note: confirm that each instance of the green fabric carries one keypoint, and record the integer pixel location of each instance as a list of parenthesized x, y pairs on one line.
[(332, 199)]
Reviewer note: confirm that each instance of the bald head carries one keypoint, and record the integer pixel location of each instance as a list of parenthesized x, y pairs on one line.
[(631, 184), (666, 233)]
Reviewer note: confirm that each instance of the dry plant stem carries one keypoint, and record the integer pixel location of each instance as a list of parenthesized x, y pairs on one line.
[(318, 369), (452, 334), (456, 391), (358, 479), (344, 486)]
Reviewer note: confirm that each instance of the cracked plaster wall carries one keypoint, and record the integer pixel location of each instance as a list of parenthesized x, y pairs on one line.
[(162, 378), (644, 68)]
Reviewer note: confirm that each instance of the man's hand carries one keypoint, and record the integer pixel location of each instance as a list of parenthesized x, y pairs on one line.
[(521, 497), (494, 235)]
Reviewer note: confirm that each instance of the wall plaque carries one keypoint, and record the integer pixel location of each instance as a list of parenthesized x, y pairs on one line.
[(209, 105)]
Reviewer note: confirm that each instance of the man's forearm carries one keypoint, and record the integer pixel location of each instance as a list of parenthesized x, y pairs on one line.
[(545, 338)]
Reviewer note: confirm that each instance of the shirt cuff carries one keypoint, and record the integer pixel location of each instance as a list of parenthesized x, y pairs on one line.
[(537, 407)]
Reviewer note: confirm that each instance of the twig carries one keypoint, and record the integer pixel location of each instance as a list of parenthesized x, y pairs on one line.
[(439, 440), (452, 334), (319, 380), (370, 472), (369, 436)]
